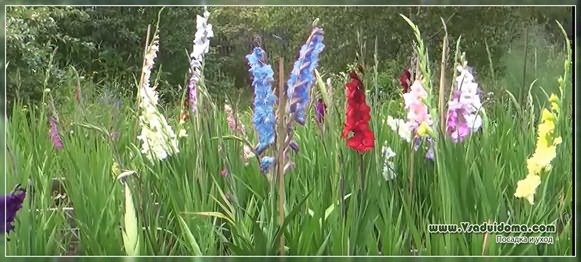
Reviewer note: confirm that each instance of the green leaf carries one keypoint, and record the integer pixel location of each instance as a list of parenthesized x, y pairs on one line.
[(194, 247), (131, 230)]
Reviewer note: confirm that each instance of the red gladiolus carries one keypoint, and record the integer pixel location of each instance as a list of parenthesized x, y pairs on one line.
[(358, 116), (405, 80)]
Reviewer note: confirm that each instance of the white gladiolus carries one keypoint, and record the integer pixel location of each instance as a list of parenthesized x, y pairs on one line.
[(157, 137), (401, 127), (203, 34), (201, 47), (388, 165)]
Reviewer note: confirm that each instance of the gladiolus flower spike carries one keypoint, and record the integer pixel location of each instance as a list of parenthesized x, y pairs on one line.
[(201, 47), (264, 99), (419, 120), (236, 125), (158, 138), (464, 107), (358, 116), (546, 151), (54, 135), (303, 75)]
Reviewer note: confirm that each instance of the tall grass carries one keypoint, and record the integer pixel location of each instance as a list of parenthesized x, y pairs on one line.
[(185, 206)]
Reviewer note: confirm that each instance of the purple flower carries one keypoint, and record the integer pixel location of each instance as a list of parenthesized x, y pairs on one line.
[(457, 127), (417, 142), (464, 107), (57, 142), (294, 146), (10, 205), (320, 110), (303, 75)]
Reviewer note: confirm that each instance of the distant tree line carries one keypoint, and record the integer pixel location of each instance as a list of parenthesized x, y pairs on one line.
[(105, 44)]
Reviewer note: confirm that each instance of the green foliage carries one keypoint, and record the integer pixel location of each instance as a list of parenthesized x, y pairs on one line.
[(186, 207), (32, 36)]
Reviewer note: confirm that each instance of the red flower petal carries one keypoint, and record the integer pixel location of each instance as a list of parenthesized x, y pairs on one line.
[(357, 117)]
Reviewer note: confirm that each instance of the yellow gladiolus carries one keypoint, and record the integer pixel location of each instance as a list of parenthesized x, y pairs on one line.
[(424, 129), (545, 152), (527, 187)]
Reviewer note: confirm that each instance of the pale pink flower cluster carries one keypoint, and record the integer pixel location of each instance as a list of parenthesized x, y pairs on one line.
[(237, 126), (419, 121), (234, 122), (414, 104)]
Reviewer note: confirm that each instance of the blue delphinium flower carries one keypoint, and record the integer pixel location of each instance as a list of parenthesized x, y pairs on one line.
[(303, 75), (264, 98)]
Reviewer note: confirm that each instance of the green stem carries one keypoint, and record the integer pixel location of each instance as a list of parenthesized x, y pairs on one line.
[(361, 173), (411, 170)]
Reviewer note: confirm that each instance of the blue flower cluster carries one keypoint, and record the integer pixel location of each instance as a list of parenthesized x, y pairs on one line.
[(266, 163), (264, 99), (302, 77)]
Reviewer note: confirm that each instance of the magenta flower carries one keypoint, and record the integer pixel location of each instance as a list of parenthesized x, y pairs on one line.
[(57, 142), (457, 126), (10, 205)]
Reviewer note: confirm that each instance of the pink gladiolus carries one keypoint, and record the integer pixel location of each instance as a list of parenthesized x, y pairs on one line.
[(414, 103), (55, 137)]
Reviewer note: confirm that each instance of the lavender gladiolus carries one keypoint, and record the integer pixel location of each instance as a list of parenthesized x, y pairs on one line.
[(464, 107), (302, 77), (264, 98)]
